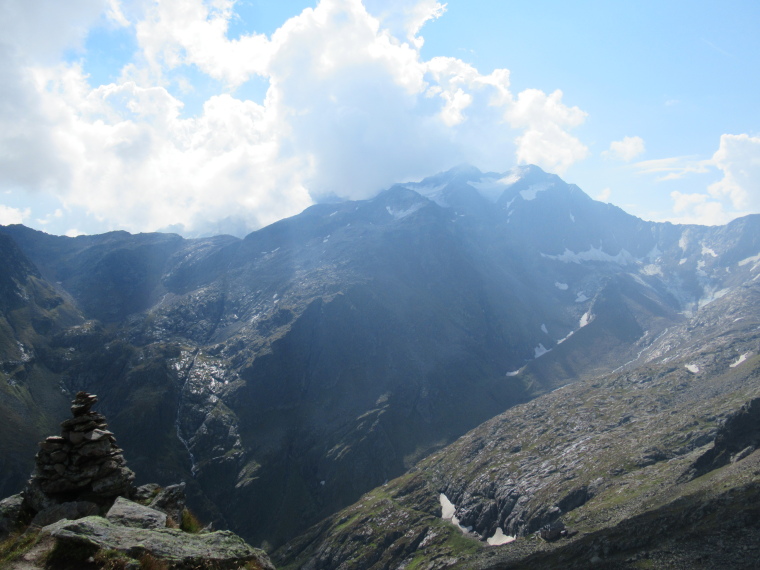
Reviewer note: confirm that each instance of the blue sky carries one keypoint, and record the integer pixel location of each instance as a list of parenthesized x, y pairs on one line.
[(205, 116)]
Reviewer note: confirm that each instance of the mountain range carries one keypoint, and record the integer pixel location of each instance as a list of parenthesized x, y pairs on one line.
[(286, 374)]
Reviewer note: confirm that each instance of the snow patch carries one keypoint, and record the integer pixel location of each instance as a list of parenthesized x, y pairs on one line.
[(711, 296), (586, 319), (592, 254), (447, 512), (532, 191), (683, 243), (543, 328), (447, 507), (561, 286), (741, 359), (326, 239), (708, 251), (571, 333), (581, 297), (652, 269), (399, 214), (754, 259), (514, 175), (431, 191), (540, 350), (499, 538), (693, 368), (682, 261), (514, 372)]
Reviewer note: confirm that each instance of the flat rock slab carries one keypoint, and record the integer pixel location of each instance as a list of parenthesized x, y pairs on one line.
[(127, 513), (224, 549)]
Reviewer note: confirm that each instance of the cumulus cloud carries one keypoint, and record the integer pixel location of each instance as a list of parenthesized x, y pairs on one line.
[(405, 19), (738, 157), (9, 215), (626, 149), (736, 194), (351, 107), (698, 208)]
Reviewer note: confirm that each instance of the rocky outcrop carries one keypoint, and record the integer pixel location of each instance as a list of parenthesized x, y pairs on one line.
[(171, 501), (82, 464), (82, 474), (736, 439), (220, 549)]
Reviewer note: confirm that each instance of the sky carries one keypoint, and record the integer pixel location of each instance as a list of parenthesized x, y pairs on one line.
[(223, 116)]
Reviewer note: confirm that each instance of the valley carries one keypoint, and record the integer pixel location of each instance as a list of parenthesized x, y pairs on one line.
[(501, 339)]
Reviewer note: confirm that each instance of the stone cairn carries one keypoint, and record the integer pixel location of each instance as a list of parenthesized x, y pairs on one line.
[(82, 464)]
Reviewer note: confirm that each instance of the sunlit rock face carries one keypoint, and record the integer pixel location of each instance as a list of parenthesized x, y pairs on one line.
[(323, 355)]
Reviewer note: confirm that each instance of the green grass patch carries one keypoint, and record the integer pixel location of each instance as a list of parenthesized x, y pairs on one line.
[(15, 546), (190, 523)]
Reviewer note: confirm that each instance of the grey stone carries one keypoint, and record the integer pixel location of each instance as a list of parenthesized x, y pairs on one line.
[(11, 509), (35, 497), (127, 513), (70, 510), (97, 434), (116, 483), (223, 549), (82, 403), (171, 500), (146, 492), (99, 448), (76, 437)]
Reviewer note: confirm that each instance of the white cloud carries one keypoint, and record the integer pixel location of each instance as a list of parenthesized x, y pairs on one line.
[(604, 195), (736, 194), (673, 168), (405, 19), (351, 107), (41, 29), (739, 158), (194, 32), (9, 215), (626, 149), (545, 120), (699, 209)]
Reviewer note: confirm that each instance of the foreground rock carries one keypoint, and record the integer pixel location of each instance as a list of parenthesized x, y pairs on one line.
[(220, 549)]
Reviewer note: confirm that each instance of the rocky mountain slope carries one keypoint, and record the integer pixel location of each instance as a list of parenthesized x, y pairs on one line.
[(325, 354), (655, 465)]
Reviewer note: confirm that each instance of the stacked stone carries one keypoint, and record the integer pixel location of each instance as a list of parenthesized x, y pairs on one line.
[(83, 463)]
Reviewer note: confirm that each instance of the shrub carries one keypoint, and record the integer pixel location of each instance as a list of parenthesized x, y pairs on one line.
[(190, 523)]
